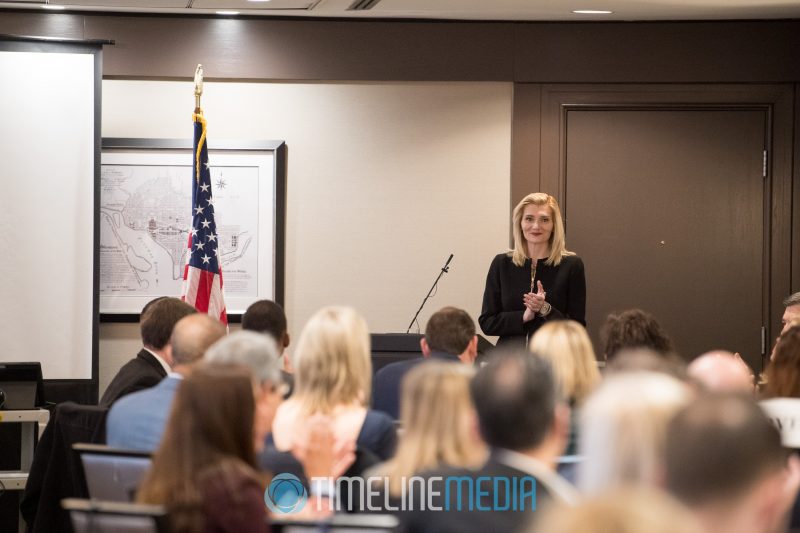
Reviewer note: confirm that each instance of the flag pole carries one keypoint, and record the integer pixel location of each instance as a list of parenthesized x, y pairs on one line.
[(198, 88)]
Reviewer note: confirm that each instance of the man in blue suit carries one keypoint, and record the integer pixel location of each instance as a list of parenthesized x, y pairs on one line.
[(449, 336), (137, 421)]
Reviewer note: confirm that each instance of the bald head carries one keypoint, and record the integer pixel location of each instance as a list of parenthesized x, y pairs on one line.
[(192, 336), (722, 371)]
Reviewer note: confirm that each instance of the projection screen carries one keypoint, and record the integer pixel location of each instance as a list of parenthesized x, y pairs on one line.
[(49, 149)]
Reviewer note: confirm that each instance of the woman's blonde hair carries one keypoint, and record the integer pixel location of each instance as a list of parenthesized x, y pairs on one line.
[(566, 345), (558, 248), (623, 428), (437, 419), (332, 361)]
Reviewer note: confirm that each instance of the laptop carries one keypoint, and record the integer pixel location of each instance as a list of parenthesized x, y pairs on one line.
[(21, 386)]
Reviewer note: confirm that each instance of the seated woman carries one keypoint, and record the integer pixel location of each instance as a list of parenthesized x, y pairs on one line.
[(333, 377), (623, 429), (203, 471), (566, 345), (439, 424)]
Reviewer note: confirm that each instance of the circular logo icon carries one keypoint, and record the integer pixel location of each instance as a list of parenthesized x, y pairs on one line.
[(285, 494)]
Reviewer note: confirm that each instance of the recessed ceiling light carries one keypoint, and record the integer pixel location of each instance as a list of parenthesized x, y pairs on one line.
[(258, 0), (227, 12), (52, 6), (592, 12)]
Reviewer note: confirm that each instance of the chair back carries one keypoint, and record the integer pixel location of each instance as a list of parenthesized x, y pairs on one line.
[(92, 516), (112, 474)]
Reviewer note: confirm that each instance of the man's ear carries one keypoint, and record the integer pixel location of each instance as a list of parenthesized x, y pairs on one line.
[(285, 340), (470, 353), (166, 351), (561, 422), (426, 350)]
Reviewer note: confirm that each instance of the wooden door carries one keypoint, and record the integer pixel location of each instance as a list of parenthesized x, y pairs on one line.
[(667, 207)]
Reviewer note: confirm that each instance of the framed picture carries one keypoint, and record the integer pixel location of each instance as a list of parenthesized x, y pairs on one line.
[(146, 215)]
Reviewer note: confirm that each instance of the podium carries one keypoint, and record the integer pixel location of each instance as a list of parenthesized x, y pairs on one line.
[(391, 347)]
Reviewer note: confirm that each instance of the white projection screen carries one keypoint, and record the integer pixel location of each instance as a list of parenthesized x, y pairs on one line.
[(49, 161)]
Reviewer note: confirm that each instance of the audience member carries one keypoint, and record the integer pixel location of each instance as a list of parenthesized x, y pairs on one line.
[(204, 469), (626, 510), (137, 421), (633, 328), (781, 392), (783, 372), (792, 311), (315, 454), (439, 424), (622, 429), (153, 361), (724, 460), (449, 336), (333, 376), (721, 371), (566, 345), (266, 316), (521, 418), (646, 360)]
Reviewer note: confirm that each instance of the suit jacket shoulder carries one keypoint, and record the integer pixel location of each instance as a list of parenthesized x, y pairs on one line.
[(139, 373)]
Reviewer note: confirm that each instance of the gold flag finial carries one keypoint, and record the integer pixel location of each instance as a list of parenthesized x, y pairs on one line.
[(198, 88)]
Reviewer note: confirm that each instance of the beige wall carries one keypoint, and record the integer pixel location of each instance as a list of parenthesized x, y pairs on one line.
[(384, 182)]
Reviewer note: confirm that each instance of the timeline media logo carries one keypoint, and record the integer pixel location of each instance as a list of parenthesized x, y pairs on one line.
[(285, 494)]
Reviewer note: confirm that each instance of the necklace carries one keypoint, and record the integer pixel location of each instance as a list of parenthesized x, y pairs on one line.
[(533, 272)]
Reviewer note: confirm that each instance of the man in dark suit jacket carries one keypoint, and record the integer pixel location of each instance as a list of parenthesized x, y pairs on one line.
[(526, 425), (449, 336), (154, 360), (266, 316)]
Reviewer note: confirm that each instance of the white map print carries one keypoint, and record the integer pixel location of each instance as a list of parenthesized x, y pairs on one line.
[(145, 217)]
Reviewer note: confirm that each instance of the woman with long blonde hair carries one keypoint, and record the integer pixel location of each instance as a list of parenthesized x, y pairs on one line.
[(333, 377), (536, 282), (438, 421), (566, 345)]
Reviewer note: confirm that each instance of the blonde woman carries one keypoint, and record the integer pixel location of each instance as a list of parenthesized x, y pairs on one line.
[(537, 281), (566, 345), (623, 429), (333, 377), (439, 424)]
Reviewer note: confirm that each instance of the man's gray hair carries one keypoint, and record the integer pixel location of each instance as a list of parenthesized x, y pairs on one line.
[(256, 351), (792, 299)]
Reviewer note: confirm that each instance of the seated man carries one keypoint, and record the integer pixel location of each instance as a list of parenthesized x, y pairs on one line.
[(526, 424), (136, 421), (724, 460), (153, 361), (449, 336), (266, 316)]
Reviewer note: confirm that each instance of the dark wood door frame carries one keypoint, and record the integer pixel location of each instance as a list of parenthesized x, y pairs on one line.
[(538, 159)]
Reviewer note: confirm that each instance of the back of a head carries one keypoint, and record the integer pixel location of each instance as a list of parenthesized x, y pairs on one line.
[(646, 360), (437, 417), (192, 335), (265, 316), (449, 330), (255, 351), (515, 398), (628, 510), (783, 372), (721, 371), (211, 421), (633, 328), (159, 317), (623, 426), (718, 447), (566, 345), (332, 360)]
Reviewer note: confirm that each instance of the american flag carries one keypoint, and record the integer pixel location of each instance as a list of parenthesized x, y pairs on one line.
[(202, 277)]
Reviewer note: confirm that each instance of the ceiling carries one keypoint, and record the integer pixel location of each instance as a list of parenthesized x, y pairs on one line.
[(532, 10)]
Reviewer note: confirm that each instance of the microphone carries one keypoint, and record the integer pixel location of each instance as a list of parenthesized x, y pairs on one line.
[(445, 268)]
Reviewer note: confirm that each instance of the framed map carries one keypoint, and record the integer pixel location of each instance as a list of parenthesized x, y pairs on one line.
[(146, 215)]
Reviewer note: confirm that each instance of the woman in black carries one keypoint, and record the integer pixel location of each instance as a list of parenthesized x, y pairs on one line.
[(539, 280)]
